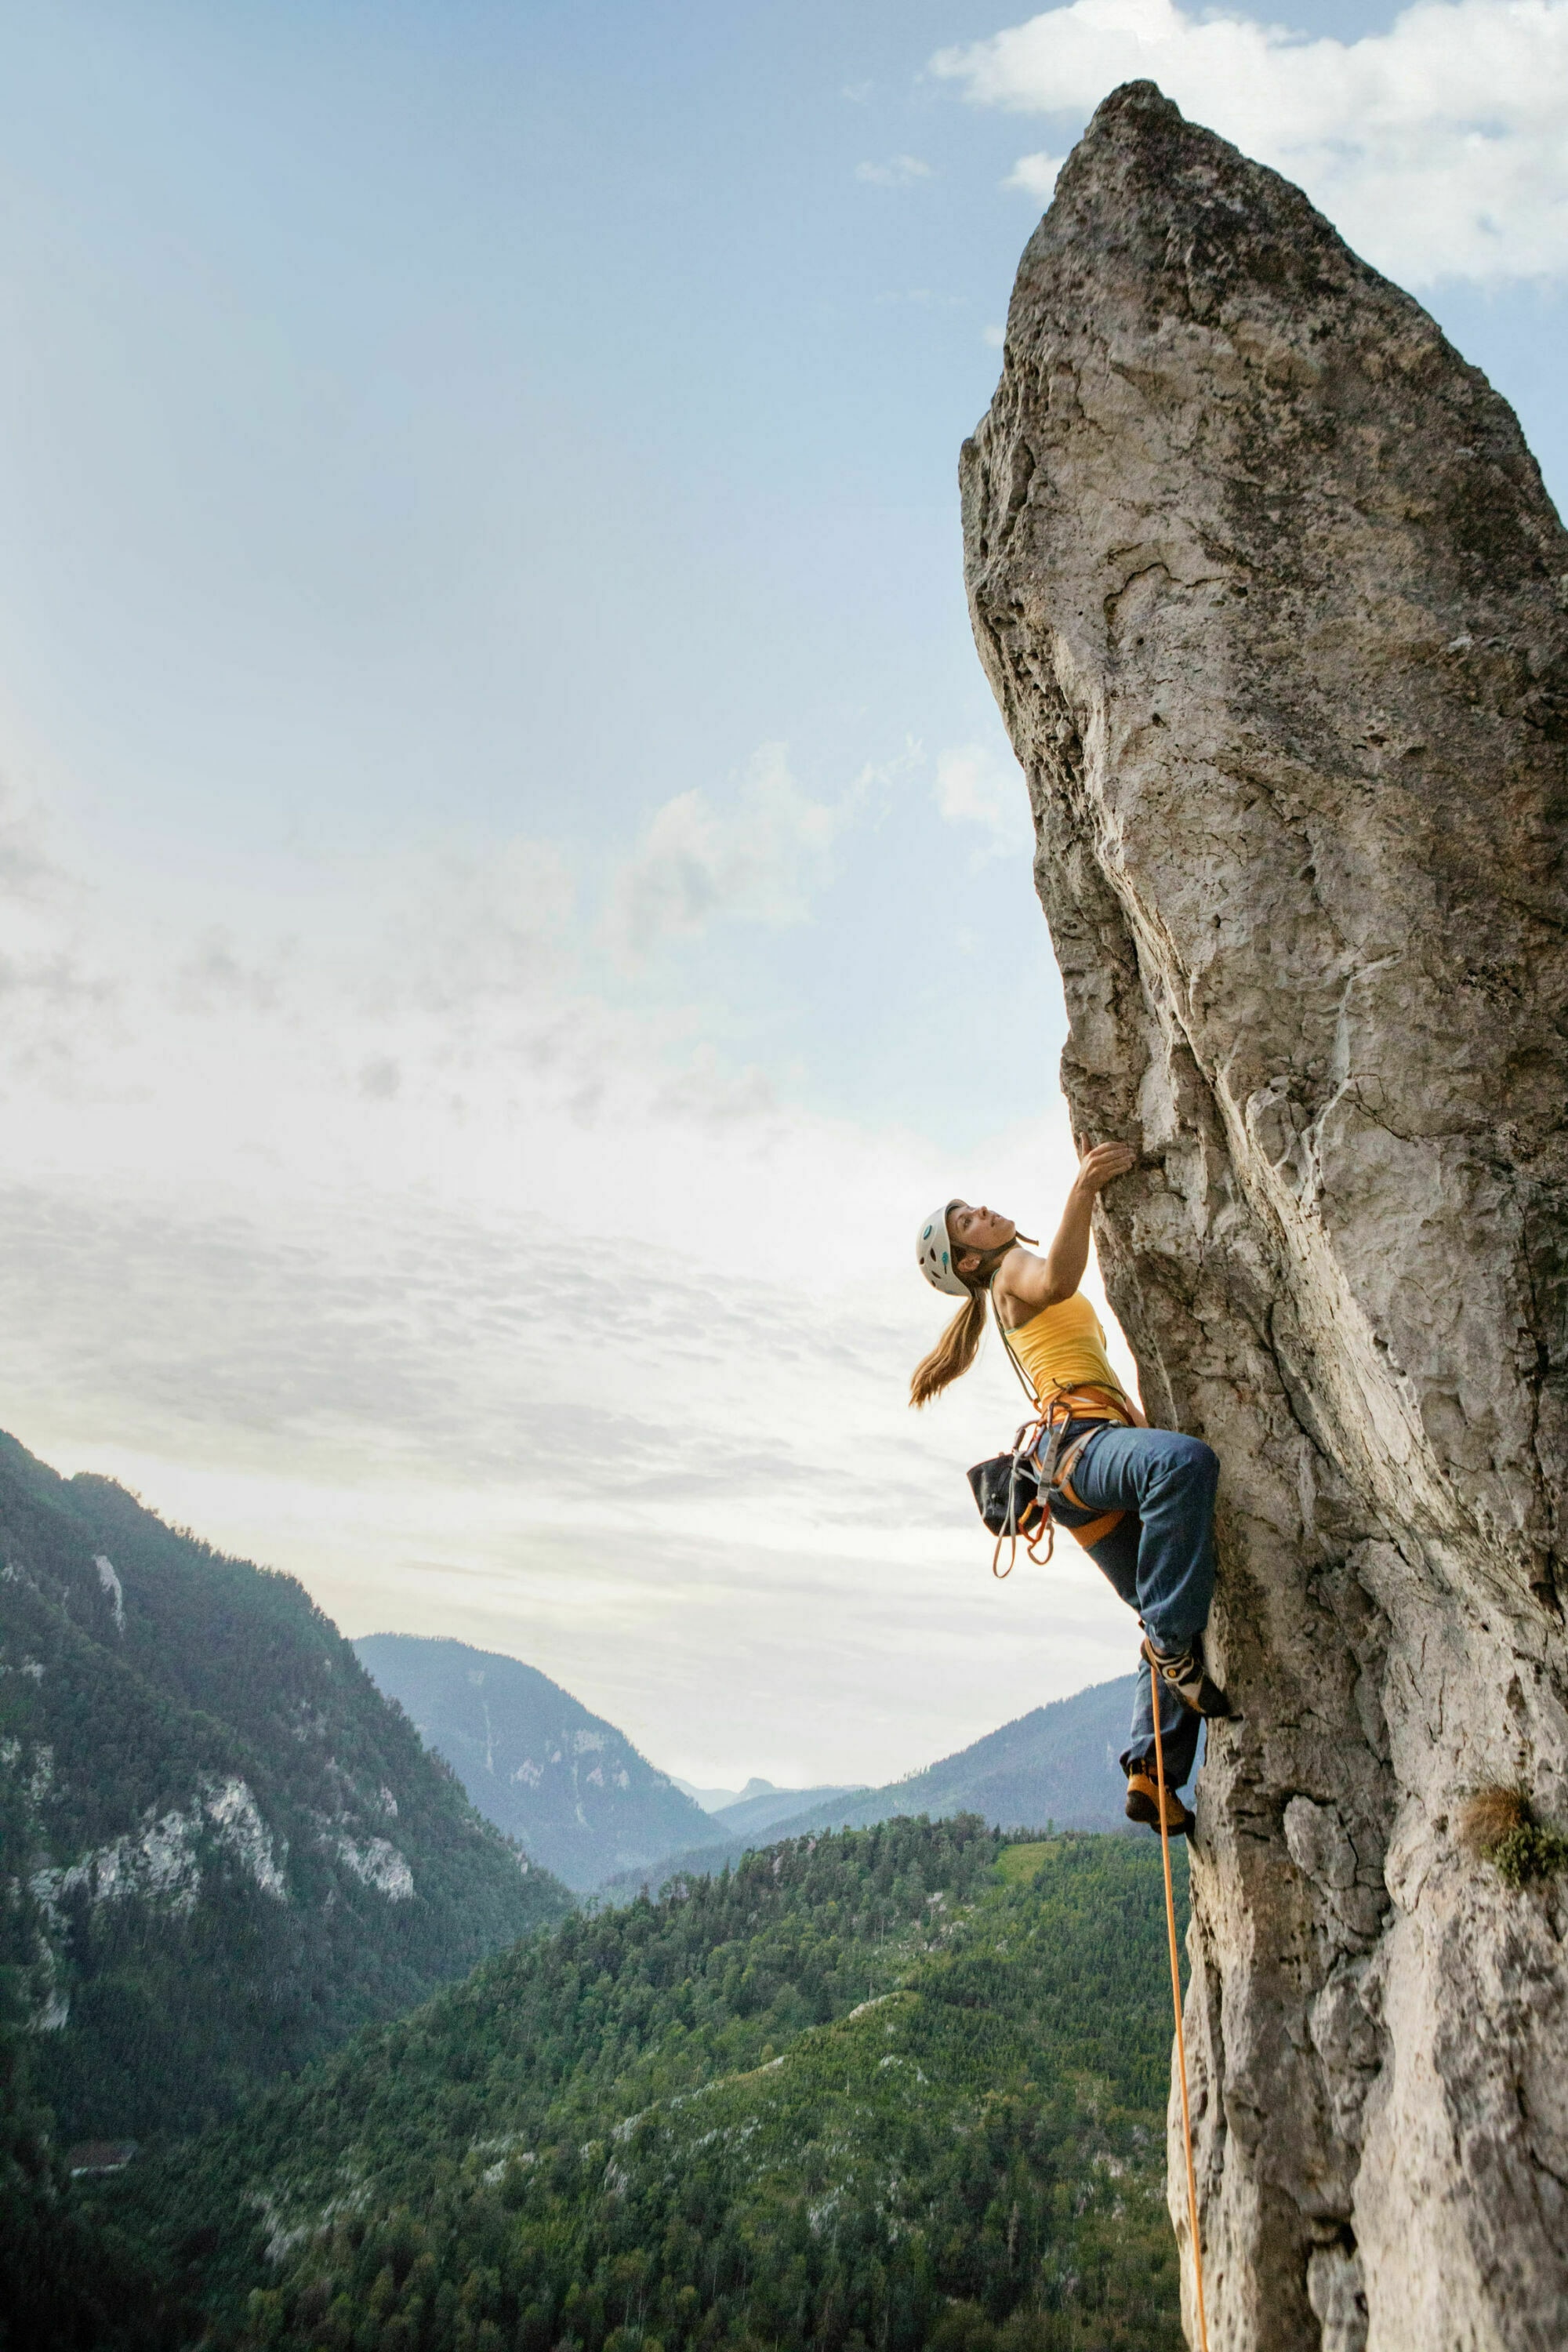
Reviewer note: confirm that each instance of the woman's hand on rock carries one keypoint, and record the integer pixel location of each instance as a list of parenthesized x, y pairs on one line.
[(1102, 1162)]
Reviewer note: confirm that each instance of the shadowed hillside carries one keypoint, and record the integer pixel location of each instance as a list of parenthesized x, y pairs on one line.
[(569, 1787), (224, 1849)]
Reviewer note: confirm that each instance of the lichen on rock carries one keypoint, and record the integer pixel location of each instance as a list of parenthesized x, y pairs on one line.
[(1272, 599)]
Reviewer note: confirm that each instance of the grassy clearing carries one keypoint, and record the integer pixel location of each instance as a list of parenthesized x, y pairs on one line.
[(1017, 1864)]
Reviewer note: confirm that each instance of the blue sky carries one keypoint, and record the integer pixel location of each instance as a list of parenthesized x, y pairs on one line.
[(517, 891)]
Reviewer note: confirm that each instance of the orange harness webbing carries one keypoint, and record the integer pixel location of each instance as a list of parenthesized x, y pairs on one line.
[(1103, 1404), (1085, 1402), (1082, 1404), (1154, 1694)]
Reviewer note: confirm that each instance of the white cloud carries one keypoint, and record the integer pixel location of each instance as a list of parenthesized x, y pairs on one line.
[(756, 860), (470, 928), (974, 787), (993, 338), (1436, 147), (898, 172), (703, 1094), (56, 989), (215, 978), (27, 871), (1035, 175)]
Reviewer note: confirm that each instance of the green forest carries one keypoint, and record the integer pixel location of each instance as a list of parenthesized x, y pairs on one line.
[(898, 2086)]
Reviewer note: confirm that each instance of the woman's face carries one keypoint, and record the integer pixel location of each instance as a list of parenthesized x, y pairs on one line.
[(973, 1231)]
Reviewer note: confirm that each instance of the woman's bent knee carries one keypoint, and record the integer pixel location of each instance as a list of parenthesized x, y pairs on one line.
[(1195, 1463)]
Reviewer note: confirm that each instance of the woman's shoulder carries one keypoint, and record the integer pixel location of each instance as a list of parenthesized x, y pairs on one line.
[(1061, 1309)]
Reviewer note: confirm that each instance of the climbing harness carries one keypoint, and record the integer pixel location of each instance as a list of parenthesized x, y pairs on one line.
[(1014, 1491), (1155, 1692)]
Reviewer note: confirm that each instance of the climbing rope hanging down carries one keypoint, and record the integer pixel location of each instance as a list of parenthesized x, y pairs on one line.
[(1176, 2004)]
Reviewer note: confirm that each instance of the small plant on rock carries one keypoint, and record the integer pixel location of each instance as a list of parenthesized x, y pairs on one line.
[(1498, 1825)]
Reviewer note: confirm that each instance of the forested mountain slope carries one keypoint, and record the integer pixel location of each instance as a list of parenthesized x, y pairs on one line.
[(221, 1849), (1055, 1764), (896, 2087), (569, 1787)]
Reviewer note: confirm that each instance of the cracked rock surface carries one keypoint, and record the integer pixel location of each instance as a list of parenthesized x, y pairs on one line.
[(1272, 599)]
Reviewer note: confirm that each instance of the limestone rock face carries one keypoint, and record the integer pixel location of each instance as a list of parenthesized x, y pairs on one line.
[(1273, 600)]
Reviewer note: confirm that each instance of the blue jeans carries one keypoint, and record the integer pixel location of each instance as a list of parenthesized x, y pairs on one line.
[(1160, 1559)]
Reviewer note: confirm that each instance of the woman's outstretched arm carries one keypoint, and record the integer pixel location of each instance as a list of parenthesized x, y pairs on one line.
[(1041, 1281)]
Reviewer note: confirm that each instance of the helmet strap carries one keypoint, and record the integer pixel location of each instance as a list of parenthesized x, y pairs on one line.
[(990, 1260)]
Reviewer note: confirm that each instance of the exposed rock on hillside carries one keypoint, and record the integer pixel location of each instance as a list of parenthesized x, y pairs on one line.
[(1272, 598)]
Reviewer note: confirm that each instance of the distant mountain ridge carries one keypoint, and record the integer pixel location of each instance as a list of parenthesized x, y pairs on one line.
[(714, 1800), (750, 1815), (569, 1787), (760, 1801), (223, 1849), (1058, 1763)]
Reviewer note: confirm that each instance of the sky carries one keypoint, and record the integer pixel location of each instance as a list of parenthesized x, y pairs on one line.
[(514, 896)]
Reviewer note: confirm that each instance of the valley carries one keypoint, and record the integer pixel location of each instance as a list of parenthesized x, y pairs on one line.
[(894, 2086), (584, 1802), (299, 2049), (1056, 1765)]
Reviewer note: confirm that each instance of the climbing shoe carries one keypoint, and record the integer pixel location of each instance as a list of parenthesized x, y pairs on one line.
[(1144, 1801), (1185, 1672)]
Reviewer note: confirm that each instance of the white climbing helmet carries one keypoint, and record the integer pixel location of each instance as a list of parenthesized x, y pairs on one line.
[(934, 1251)]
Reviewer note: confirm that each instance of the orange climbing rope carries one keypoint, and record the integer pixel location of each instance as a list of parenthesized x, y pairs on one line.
[(1154, 1694)]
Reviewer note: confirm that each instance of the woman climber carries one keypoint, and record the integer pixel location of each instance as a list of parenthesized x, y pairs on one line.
[(1140, 1499)]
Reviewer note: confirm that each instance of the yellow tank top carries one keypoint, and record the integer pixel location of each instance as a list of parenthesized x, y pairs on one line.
[(1062, 1347)]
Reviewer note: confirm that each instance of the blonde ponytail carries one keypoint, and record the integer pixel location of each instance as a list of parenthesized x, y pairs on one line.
[(953, 1353)]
